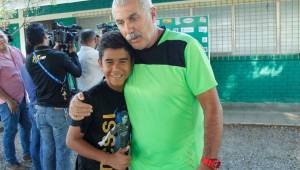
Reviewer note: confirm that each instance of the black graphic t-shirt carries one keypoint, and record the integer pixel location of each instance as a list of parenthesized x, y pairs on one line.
[(106, 102)]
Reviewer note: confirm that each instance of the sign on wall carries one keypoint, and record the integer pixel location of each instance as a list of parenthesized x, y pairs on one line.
[(196, 26)]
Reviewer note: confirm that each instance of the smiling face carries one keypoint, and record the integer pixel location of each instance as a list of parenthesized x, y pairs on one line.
[(116, 67), (136, 23)]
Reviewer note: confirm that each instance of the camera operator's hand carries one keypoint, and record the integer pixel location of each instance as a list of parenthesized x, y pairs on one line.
[(56, 46), (72, 48)]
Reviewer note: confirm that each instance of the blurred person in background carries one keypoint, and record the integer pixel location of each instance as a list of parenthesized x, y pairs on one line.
[(35, 137), (13, 109), (48, 69), (88, 58)]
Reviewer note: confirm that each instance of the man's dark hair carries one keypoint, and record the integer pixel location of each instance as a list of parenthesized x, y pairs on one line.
[(114, 40), (35, 34), (86, 35)]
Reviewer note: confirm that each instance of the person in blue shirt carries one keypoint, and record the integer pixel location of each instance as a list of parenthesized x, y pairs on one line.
[(35, 151)]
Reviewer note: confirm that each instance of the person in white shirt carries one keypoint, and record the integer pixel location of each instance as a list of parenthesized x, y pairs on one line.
[(88, 58)]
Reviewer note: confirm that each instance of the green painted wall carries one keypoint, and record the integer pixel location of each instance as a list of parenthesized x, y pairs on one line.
[(77, 6), (14, 30), (270, 78)]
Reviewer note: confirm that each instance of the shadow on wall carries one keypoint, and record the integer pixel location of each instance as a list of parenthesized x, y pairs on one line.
[(275, 79)]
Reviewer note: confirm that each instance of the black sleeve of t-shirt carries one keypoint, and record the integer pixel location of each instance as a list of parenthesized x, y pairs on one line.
[(72, 65), (84, 123)]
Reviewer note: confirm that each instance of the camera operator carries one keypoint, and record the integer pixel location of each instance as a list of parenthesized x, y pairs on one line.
[(48, 69), (88, 58)]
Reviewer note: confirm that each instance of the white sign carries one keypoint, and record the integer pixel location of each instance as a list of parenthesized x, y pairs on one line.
[(187, 29), (188, 20)]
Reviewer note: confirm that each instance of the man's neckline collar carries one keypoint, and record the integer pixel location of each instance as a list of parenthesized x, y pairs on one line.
[(42, 47), (88, 47)]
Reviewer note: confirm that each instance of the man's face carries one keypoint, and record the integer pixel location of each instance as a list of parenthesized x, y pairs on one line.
[(116, 67), (3, 41), (136, 24)]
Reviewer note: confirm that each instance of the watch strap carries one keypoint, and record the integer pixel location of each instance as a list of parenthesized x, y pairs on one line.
[(212, 163)]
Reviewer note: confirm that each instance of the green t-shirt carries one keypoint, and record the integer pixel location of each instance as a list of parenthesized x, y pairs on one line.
[(167, 119)]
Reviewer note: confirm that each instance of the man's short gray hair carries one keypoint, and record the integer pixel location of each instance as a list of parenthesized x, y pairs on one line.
[(145, 4), (86, 35)]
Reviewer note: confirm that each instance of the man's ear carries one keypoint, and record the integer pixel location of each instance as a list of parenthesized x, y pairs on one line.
[(100, 63), (153, 14), (45, 37)]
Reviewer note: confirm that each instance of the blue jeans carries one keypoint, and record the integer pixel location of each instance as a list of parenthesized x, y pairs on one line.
[(10, 124), (35, 149), (53, 125)]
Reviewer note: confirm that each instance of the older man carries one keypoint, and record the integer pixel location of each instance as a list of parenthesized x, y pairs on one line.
[(12, 103), (171, 97)]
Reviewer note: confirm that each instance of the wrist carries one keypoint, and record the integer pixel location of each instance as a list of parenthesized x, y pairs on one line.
[(104, 159), (72, 53), (212, 163)]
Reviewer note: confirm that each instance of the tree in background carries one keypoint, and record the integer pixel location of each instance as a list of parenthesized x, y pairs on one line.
[(9, 10), (12, 9)]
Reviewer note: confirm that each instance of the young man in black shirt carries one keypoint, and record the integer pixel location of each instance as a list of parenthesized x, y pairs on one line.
[(107, 98)]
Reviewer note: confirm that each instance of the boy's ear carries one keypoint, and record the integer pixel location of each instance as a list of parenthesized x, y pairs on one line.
[(100, 63)]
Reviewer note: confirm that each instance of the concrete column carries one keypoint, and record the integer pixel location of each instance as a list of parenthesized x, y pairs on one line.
[(22, 31)]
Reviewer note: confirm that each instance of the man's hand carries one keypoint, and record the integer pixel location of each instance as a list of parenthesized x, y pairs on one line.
[(77, 109), (72, 48), (118, 160), (56, 46), (12, 105)]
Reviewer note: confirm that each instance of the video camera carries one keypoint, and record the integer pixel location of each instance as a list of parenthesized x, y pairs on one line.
[(8, 34), (64, 35), (106, 27)]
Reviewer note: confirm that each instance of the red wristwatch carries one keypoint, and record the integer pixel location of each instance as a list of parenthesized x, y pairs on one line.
[(212, 163)]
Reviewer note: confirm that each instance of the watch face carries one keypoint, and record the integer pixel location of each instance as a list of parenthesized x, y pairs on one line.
[(217, 164)]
